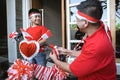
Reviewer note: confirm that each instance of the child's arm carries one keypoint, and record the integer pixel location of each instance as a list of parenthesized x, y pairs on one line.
[(42, 41), (44, 37)]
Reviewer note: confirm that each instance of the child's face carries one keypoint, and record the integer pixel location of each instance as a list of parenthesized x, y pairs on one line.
[(35, 18)]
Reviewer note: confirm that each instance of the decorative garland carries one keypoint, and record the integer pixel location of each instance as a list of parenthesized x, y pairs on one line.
[(20, 70), (23, 70)]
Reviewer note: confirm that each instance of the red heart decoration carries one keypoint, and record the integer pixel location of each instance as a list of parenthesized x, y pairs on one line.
[(28, 49)]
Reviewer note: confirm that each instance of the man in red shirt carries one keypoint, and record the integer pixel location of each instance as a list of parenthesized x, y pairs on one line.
[(96, 60)]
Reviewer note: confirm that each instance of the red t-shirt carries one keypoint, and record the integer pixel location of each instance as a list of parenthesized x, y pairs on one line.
[(37, 32), (96, 61)]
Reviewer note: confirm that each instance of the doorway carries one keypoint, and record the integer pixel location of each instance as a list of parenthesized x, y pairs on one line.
[(3, 30), (3, 38)]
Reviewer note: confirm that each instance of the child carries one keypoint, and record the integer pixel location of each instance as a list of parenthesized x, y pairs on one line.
[(36, 30)]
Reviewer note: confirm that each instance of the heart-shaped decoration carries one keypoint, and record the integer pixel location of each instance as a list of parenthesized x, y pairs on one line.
[(28, 49)]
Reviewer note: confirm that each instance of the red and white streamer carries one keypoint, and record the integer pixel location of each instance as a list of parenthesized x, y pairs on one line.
[(49, 73), (13, 35), (23, 70), (20, 70)]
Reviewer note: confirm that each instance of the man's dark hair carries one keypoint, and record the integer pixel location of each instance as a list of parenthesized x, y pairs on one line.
[(33, 10), (92, 8)]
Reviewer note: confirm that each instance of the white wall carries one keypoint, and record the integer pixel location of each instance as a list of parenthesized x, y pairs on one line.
[(11, 26)]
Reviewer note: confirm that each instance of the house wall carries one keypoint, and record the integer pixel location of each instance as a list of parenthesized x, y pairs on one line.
[(36, 4), (11, 27), (52, 20)]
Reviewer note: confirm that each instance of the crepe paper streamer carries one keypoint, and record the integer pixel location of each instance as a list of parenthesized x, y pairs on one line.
[(29, 49), (59, 74), (13, 35), (20, 70), (23, 70), (49, 73)]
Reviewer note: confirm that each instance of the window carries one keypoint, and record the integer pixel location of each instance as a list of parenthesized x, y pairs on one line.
[(72, 40), (71, 23)]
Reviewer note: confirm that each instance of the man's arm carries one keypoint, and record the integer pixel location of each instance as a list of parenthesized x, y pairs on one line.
[(69, 52), (63, 65)]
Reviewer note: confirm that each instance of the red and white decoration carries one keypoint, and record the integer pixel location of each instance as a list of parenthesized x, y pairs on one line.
[(29, 49), (20, 70), (23, 70), (49, 73), (13, 35)]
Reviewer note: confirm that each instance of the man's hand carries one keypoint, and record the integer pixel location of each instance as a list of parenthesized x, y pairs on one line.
[(63, 51), (69, 52), (53, 56)]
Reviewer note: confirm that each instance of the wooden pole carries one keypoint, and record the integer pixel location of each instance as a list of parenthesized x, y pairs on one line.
[(63, 22), (111, 20)]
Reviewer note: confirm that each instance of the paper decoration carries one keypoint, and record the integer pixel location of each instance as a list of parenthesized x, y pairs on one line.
[(29, 49), (20, 70)]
